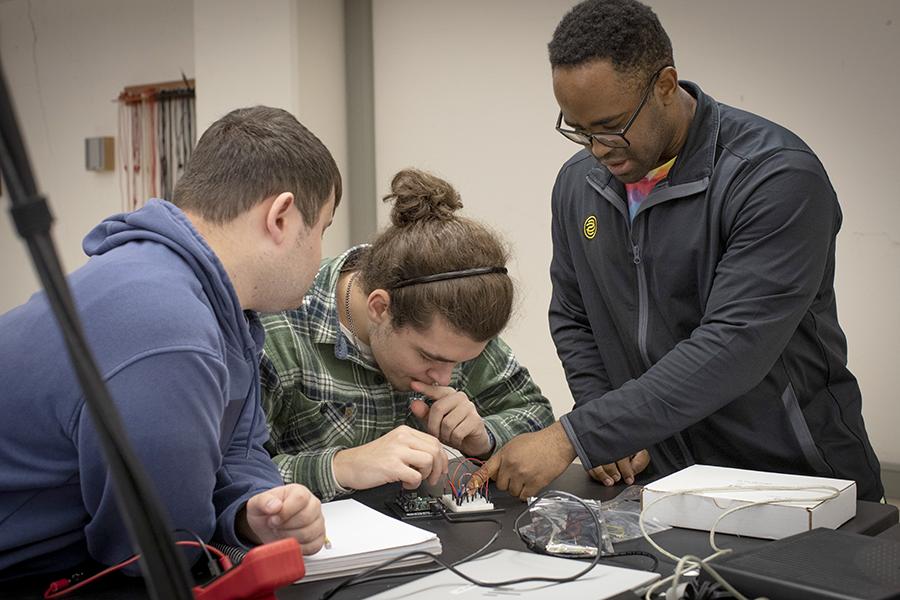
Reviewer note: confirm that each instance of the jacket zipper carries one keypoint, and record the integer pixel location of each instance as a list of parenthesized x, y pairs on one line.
[(643, 325), (643, 307), (643, 303)]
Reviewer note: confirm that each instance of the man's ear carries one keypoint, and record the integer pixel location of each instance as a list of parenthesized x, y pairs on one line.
[(667, 85), (378, 306), (277, 216)]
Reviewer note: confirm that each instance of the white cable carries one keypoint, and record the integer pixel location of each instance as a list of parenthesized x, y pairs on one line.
[(690, 562)]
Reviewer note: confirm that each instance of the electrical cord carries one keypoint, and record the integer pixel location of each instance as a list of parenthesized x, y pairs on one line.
[(537, 549), (214, 569), (64, 587), (363, 577), (626, 554), (705, 590), (688, 562), (683, 563)]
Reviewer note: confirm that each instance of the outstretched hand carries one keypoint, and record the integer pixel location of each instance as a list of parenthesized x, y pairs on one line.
[(527, 463)]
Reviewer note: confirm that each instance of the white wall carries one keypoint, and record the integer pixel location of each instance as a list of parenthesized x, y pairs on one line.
[(321, 97), (286, 53), (65, 66), (246, 54), (463, 89), (282, 53)]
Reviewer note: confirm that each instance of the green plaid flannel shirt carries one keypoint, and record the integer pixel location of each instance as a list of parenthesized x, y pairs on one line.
[(321, 396)]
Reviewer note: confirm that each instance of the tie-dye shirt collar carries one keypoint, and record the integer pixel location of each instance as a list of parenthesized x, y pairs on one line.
[(639, 190)]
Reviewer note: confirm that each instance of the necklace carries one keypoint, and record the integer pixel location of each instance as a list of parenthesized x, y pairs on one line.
[(347, 304)]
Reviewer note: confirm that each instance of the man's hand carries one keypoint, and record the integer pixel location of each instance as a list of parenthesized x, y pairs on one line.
[(452, 418), (528, 462), (626, 468), (403, 454), (283, 512)]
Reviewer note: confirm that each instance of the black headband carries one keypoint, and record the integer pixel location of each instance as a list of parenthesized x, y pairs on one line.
[(448, 275)]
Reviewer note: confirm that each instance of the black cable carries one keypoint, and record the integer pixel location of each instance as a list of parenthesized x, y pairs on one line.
[(642, 553), (471, 556), (489, 584), (214, 569), (535, 548), (539, 550), (164, 569)]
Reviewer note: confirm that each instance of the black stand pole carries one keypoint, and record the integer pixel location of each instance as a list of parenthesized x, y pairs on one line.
[(164, 570)]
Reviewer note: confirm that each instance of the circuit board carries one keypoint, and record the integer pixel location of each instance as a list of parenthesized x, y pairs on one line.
[(409, 504), (450, 498)]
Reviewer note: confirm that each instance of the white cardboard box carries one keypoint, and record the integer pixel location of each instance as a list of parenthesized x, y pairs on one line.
[(699, 509)]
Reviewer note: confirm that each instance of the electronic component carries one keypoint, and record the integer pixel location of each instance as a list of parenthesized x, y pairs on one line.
[(262, 571), (409, 504), (413, 502), (835, 564), (466, 503), (453, 497), (458, 496)]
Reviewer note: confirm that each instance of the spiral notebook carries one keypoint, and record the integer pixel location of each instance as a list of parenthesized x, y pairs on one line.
[(361, 537)]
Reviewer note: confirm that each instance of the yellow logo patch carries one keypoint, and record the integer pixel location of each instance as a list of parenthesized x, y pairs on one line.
[(590, 227)]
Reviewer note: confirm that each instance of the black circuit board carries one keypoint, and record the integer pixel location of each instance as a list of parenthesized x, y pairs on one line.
[(410, 504)]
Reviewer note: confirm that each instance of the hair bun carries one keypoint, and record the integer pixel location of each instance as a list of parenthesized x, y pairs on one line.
[(419, 196)]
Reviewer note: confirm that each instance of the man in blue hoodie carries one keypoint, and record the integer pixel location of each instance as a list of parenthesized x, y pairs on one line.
[(168, 301)]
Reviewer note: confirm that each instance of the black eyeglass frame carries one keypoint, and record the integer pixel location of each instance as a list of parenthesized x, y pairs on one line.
[(609, 138)]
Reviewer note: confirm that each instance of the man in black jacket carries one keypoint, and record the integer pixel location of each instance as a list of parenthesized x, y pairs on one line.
[(693, 301)]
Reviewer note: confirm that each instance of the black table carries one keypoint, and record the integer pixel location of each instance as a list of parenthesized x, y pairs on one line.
[(460, 539)]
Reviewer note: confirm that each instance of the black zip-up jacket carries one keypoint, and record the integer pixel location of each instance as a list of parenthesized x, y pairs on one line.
[(706, 329)]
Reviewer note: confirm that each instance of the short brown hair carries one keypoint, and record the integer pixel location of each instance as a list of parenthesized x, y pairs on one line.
[(251, 154), (427, 238)]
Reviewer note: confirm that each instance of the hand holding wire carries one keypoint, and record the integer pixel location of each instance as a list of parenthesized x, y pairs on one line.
[(403, 454), (528, 462), (481, 477)]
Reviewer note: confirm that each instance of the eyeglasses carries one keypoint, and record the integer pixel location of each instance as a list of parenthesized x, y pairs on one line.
[(610, 139)]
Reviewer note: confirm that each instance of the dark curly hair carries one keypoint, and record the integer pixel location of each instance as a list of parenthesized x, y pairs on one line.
[(625, 32)]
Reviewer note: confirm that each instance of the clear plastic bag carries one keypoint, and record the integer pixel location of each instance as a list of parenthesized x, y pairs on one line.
[(561, 525), (564, 527), (621, 515)]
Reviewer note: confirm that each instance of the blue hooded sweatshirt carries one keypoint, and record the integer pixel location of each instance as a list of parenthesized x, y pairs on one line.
[(181, 360)]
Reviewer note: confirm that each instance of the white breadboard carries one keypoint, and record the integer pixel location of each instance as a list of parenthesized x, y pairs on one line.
[(475, 503)]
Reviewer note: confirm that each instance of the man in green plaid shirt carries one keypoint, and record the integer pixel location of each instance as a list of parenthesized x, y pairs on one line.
[(324, 393)]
